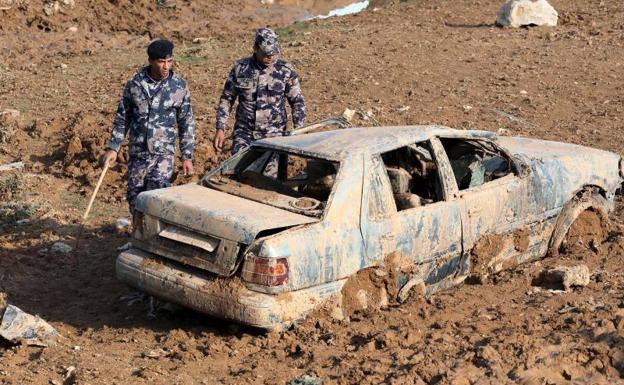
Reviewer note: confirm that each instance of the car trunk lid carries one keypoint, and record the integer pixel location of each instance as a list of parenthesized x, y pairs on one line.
[(206, 228)]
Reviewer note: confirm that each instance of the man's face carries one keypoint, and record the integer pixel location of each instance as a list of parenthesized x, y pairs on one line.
[(263, 58), (161, 67)]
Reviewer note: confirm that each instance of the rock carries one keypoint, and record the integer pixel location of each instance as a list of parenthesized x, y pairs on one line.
[(51, 7), (72, 29), (74, 147), (348, 114), (564, 277), (70, 376), (61, 248), (199, 40), (306, 380), (68, 3), (20, 327), (519, 13), (122, 223)]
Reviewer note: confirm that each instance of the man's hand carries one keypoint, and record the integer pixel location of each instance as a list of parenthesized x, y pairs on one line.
[(109, 157), (187, 167), (219, 139)]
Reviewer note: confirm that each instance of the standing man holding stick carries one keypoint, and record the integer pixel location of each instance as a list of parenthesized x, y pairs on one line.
[(262, 83), (154, 101)]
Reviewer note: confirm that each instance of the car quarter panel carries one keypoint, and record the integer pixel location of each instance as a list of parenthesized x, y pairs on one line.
[(559, 170), (328, 250)]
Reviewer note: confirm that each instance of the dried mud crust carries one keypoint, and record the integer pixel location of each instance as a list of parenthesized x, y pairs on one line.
[(486, 249), (587, 231), (374, 288)]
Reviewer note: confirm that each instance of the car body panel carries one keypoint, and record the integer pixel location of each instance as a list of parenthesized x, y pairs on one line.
[(216, 213), (330, 249)]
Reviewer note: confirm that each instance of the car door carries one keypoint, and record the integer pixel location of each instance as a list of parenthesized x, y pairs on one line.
[(428, 237), (488, 207)]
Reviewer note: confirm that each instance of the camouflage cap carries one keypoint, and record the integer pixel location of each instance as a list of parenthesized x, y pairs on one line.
[(266, 40)]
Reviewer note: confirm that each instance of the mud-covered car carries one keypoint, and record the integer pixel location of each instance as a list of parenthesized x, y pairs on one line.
[(280, 227)]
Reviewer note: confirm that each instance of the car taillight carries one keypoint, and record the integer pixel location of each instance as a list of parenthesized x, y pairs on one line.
[(265, 271), (137, 225)]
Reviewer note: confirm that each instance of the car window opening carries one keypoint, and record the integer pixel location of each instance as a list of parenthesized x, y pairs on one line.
[(475, 162), (289, 181), (413, 175)]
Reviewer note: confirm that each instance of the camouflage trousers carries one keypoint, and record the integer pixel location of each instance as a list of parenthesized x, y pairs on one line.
[(148, 172), (241, 139)]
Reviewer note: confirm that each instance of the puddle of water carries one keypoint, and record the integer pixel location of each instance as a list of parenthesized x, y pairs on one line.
[(342, 11)]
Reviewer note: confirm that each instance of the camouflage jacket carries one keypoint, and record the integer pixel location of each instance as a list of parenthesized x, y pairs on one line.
[(261, 92), (152, 119)]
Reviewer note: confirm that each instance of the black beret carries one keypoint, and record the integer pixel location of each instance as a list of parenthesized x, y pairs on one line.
[(160, 49)]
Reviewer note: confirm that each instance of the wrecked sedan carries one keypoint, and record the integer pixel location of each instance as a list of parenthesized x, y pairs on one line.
[(279, 228)]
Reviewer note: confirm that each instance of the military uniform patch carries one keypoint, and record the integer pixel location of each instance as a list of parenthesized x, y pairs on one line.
[(261, 111)]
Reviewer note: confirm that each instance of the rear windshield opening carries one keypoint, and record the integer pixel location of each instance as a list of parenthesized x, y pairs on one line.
[(289, 181)]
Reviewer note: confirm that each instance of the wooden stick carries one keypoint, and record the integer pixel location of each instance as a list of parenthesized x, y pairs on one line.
[(95, 191)]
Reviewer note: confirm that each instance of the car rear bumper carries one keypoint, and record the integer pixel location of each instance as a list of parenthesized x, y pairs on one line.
[(224, 298)]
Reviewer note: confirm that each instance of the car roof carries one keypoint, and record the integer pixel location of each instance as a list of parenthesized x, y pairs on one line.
[(339, 144)]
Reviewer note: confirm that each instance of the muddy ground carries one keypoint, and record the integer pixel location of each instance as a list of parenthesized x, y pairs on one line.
[(407, 62)]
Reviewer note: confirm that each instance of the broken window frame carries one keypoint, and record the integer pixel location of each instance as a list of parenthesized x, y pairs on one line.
[(516, 168), (238, 164), (440, 162)]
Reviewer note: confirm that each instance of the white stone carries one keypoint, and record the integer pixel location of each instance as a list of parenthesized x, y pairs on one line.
[(567, 276), (60, 248), (518, 13), (20, 327), (348, 114), (122, 223)]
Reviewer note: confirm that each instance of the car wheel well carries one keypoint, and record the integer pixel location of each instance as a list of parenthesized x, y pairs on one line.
[(592, 198)]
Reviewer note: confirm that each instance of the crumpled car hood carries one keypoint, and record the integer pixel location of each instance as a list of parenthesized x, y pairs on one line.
[(216, 213)]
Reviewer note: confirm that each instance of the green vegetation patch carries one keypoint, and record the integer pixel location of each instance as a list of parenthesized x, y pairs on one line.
[(10, 186), (11, 212), (297, 28), (190, 59)]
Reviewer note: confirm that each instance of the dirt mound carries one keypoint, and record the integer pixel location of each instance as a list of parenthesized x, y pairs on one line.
[(587, 232)]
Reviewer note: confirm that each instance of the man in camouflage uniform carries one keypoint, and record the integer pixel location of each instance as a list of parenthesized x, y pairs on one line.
[(154, 101), (262, 83)]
